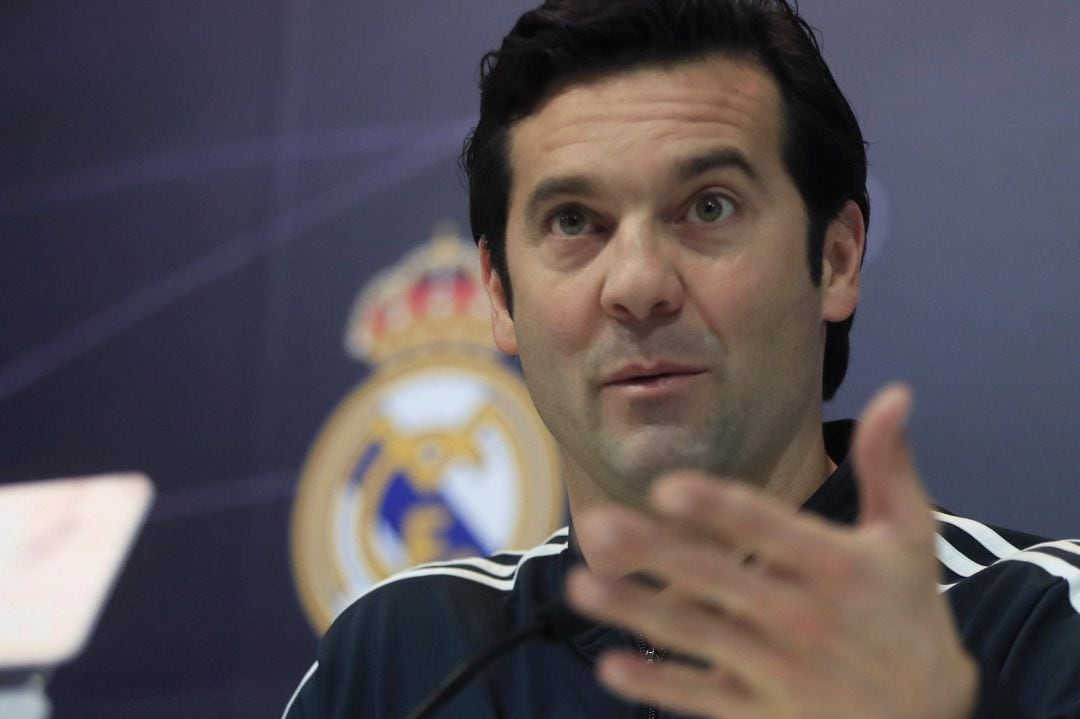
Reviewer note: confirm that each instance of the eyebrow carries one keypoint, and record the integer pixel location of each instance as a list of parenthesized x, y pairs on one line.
[(578, 185), (685, 170), (718, 159)]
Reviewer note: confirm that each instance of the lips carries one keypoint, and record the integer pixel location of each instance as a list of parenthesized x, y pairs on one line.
[(640, 374)]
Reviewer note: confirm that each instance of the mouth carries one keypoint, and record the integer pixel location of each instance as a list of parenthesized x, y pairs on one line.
[(657, 375)]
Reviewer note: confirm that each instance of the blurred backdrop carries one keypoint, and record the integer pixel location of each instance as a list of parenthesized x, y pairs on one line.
[(193, 195)]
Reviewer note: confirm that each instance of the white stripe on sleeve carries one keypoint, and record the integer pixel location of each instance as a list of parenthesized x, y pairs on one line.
[(310, 673), (994, 542), (954, 559)]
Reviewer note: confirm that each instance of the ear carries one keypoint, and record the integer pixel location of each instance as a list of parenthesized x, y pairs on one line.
[(502, 324), (841, 258)]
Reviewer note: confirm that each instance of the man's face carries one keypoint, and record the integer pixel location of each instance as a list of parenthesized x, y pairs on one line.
[(663, 308)]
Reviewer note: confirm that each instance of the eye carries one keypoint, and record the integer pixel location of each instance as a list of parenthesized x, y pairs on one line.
[(710, 209), (571, 222)]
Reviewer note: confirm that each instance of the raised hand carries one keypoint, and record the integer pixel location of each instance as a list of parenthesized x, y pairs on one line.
[(787, 615)]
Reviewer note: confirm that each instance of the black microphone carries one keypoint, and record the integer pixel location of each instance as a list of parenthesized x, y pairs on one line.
[(554, 621)]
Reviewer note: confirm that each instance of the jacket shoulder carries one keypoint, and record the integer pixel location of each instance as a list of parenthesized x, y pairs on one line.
[(391, 646), (1016, 600)]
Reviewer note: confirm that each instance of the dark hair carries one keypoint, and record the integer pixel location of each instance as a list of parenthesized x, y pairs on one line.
[(566, 40)]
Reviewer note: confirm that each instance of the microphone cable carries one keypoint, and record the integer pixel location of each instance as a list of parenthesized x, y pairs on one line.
[(554, 622)]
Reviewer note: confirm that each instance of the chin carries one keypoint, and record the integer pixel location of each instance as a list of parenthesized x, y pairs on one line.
[(633, 469)]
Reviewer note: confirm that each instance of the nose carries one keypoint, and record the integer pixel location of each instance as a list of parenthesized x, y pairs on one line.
[(641, 281)]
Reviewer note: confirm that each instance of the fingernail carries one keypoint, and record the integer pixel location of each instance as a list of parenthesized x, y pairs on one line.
[(907, 400)]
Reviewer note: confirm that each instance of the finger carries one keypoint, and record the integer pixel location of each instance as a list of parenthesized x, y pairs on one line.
[(676, 686), (681, 626), (890, 494), (797, 545), (694, 568)]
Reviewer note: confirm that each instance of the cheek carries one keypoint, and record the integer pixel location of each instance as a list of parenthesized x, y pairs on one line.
[(554, 314), (552, 347), (732, 300), (761, 303), (552, 327)]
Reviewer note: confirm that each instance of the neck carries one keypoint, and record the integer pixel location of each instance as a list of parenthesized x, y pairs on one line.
[(800, 471), (792, 478)]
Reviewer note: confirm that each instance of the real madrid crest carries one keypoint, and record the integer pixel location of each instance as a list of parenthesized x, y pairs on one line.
[(439, 454)]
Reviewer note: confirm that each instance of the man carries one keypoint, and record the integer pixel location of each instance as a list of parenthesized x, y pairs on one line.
[(670, 202)]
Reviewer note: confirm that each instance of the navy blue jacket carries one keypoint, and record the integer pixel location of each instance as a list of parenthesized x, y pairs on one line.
[(1016, 599)]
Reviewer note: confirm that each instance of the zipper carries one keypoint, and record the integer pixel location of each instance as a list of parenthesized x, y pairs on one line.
[(652, 655)]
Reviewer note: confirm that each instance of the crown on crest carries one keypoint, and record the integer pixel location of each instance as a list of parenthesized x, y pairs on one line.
[(432, 297)]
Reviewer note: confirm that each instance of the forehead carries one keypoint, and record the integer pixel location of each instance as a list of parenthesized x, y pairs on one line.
[(655, 114)]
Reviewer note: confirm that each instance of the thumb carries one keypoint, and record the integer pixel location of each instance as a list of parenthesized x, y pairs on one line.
[(889, 489)]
